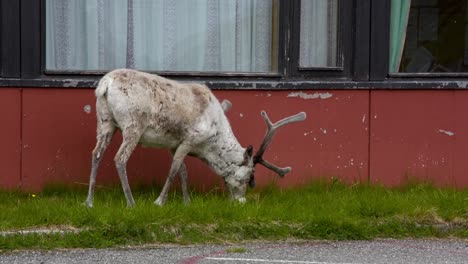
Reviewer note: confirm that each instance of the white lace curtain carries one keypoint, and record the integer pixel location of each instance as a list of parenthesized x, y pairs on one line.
[(160, 35)]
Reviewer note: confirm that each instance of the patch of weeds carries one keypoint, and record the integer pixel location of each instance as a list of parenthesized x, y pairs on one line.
[(236, 250), (332, 229)]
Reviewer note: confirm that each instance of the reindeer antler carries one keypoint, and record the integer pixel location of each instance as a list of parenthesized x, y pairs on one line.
[(271, 130)]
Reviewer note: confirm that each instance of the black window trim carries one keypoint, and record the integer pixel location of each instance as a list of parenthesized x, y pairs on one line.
[(379, 38), (10, 60)]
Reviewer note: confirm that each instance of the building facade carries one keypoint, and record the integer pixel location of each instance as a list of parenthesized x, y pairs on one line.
[(384, 84)]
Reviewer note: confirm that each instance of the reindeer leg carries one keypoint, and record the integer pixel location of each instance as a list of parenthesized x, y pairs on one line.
[(177, 162), (183, 182), (105, 132), (130, 141)]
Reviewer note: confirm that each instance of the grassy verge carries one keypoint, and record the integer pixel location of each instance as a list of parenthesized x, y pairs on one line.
[(317, 211)]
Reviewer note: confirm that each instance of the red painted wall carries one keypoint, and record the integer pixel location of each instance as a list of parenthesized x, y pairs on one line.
[(10, 139), (355, 135), (419, 135)]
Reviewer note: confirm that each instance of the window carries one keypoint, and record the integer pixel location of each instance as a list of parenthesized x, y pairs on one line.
[(238, 36), (162, 35), (219, 40), (429, 36), (278, 44)]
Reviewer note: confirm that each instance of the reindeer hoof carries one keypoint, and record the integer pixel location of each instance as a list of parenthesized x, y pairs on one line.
[(159, 202), (242, 200), (88, 204)]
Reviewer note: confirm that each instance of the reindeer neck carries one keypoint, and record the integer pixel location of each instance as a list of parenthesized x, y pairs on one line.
[(224, 154)]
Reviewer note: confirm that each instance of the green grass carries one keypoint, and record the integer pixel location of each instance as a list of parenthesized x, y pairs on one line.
[(317, 211)]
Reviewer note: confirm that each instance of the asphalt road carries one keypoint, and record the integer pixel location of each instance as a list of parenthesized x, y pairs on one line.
[(312, 252)]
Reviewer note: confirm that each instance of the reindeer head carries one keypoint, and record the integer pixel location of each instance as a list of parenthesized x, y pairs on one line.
[(237, 183)]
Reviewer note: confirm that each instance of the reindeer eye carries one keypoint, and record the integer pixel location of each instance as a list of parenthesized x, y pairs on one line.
[(242, 181)]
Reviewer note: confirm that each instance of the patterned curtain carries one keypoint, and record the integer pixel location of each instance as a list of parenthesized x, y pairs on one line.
[(160, 35)]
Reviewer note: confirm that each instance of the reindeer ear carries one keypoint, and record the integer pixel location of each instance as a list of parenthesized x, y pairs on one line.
[(226, 105), (249, 151), (248, 154), (252, 181)]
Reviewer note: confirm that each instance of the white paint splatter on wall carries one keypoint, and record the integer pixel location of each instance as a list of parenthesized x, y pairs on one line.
[(307, 96), (449, 133), (87, 109)]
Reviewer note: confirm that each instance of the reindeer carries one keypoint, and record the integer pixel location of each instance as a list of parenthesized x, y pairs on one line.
[(185, 118)]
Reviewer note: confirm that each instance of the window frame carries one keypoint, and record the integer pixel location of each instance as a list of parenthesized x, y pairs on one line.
[(32, 23), (380, 43), (172, 74), (22, 61), (182, 74), (344, 46)]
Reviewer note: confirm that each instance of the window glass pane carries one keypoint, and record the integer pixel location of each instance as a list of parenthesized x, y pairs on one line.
[(319, 34), (162, 35), (429, 36)]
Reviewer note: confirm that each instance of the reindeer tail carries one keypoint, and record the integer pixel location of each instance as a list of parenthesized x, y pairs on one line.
[(102, 86)]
